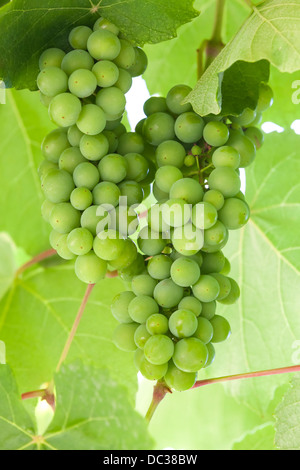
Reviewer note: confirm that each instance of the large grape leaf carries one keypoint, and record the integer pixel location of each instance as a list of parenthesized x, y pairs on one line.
[(265, 259), (271, 33), (24, 124), (36, 317), (92, 413), (287, 418), (30, 26), (261, 438)]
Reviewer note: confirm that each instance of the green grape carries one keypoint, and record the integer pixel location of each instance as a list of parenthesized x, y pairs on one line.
[(89, 268), (256, 121), (179, 380), (213, 262), (166, 176), (113, 167), (240, 195), (123, 337), (155, 104), (54, 238), (94, 147), (62, 248), (225, 180), (57, 185), (124, 82), (234, 214), (54, 144), (95, 219), (159, 195), (141, 307), (183, 323), (255, 135), (204, 215), (119, 306), (103, 45), (157, 324), (132, 191), (141, 336), (190, 354), (126, 57), (159, 349), (82, 83), (227, 268), (131, 142), (77, 59), (106, 73), (140, 63), (175, 97), (226, 156), (102, 23), (224, 283), (189, 127), (108, 245), (64, 109), (204, 330), (137, 167), (187, 189), (159, 267), (152, 371), (74, 136), (80, 241), (215, 198), (52, 81), (187, 240), (189, 160), (211, 355), (234, 293), (216, 235), (92, 119), (221, 329), (175, 212), (167, 294), (265, 99), (158, 127), (86, 175), (206, 288), (134, 269), (112, 141), (155, 219), (245, 118), (51, 58), (106, 193), (192, 304), (45, 100), (143, 284), (46, 209), (112, 100), (185, 272), (70, 159), (81, 198), (198, 258), (127, 256), (244, 146), (216, 133), (151, 243), (125, 220), (64, 218), (209, 309), (78, 37)]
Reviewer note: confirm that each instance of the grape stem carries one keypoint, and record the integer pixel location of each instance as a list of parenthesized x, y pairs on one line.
[(45, 394), (159, 392), (75, 326), (36, 259)]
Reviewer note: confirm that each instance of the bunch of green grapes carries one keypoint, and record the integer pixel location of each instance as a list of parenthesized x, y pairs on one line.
[(94, 172), (169, 319)]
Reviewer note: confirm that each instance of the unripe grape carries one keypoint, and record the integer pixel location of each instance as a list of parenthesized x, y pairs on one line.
[(103, 44)]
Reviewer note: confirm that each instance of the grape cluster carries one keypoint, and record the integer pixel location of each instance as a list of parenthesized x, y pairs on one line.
[(91, 162), (169, 317)]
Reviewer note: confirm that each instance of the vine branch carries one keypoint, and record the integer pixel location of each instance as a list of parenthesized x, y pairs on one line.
[(36, 259)]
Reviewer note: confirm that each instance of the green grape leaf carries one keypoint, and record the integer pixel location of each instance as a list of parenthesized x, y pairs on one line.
[(93, 413), (29, 27), (16, 427), (24, 124), (265, 259), (271, 33), (287, 416), (260, 438), (8, 263), (2, 353), (36, 318)]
